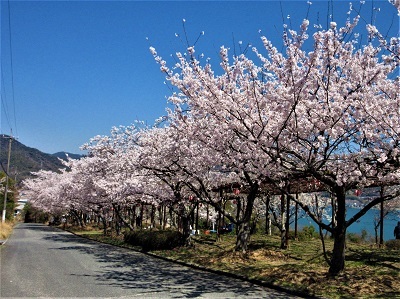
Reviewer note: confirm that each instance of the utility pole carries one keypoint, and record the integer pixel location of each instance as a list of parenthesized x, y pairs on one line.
[(6, 189)]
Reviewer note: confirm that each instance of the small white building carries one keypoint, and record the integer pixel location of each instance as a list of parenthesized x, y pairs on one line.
[(20, 206)]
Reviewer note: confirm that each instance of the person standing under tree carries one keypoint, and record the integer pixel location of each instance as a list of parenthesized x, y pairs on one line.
[(397, 231)]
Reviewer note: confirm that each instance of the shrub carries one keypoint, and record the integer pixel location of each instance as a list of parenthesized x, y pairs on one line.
[(364, 234), (358, 238), (307, 233), (154, 240), (393, 244), (354, 238)]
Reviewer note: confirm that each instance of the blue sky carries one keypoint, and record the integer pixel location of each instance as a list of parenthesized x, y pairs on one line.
[(82, 67)]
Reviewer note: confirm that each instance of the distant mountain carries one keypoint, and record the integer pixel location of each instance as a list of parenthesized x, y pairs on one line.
[(25, 160), (63, 155)]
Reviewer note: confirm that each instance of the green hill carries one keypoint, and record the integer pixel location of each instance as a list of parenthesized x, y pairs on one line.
[(25, 160)]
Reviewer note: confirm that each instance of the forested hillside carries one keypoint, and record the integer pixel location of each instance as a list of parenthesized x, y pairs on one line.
[(25, 160)]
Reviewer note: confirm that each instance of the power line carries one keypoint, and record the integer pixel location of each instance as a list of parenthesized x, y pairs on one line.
[(5, 169), (12, 67), (4, 99)]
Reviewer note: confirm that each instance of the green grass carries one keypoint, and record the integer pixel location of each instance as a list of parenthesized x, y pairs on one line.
[(98, 235)]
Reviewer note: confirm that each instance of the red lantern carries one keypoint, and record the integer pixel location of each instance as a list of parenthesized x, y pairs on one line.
[(357, 192), (236, 191)]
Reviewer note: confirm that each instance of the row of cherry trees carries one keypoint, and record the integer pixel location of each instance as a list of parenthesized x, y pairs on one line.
[(269, 122)]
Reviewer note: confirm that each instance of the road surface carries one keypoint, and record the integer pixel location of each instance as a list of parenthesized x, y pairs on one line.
[(41, 261)]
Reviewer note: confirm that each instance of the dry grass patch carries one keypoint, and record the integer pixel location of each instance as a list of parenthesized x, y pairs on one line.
[(5, 230), (270, 256), (370, 273)]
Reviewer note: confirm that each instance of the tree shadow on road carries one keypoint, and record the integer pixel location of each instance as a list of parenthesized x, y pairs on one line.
[(151, 276), (37, 227)]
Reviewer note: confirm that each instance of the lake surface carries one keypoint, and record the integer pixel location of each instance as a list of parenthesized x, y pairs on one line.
[(366, 222)]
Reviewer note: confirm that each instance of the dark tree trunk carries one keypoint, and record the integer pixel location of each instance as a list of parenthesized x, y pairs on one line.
[(78, 217), (338, 257), (104, 221), (185, 221), (160, 216), (243, 237), (243, 233), (220, 215), (193, 219), (120, 218), (197, 218), (283, 231), (117, 219), (219, 223), (296, 215), (153, 217), (287, 223), (171, 217), (140, 220), (238, 212), (267, 216), (165, 217), (133, 217), (207, 217), (339, 234), (376, 225)]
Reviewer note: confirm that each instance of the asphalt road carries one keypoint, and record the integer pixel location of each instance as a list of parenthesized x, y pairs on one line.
[(41, 261)]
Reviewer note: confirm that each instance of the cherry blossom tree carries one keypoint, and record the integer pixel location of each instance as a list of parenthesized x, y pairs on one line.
[(49, 192), (116, 175), (330, 114), (343, 120), (325, 110), (168, 157)]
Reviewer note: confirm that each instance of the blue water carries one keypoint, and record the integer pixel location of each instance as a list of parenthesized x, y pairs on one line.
[(366, 222)]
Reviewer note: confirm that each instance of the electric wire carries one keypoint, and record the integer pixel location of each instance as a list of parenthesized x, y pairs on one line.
[(4, 99), (12, 68)]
